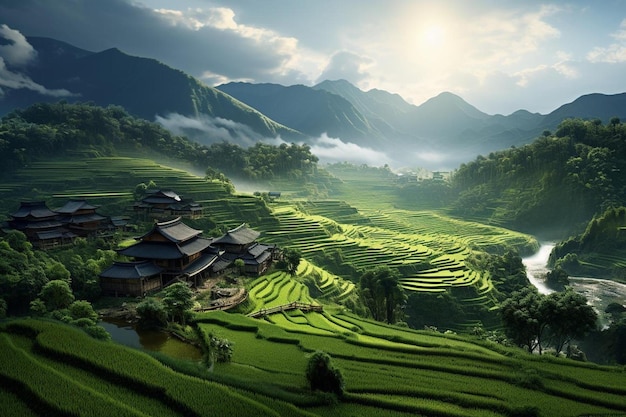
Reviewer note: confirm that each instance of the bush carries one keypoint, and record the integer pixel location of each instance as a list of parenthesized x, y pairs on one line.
[(322, 375)]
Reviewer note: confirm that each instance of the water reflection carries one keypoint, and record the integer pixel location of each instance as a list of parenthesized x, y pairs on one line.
[(126, 334)]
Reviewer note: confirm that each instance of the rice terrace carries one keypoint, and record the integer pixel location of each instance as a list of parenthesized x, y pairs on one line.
[(388, 370)]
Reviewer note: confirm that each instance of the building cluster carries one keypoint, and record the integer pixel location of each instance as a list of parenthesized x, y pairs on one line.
[(170, 251), (46, 228)]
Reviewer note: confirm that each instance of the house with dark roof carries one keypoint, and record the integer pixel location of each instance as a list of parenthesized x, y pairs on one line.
[(163, 203), (178, 249), (42, 226), (131, 278), (81, 218), (240, 243)]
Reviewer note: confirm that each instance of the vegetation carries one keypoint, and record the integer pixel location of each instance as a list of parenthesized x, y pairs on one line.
[(368, 253), (323, 375), (530, 318), (550, 185)]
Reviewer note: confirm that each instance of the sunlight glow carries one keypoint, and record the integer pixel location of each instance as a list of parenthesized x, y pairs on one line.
[(434, 35)]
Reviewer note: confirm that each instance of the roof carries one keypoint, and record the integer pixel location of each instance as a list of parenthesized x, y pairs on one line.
[(152, 250), (73, 206), (200, 264), (44, 224), (174, 231), (84, 218), (131, 270), (165, 250), (55, 234), (241, 235), (36, 209), (161, 196)]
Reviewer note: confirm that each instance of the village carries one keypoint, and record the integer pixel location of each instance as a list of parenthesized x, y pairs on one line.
[(171, 251)]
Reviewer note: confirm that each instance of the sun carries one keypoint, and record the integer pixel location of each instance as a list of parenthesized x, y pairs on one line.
[(434, 35)]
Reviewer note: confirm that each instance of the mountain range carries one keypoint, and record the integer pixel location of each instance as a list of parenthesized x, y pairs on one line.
[(442, 132)]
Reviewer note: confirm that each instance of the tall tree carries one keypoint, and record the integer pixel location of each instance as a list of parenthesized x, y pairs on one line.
[(382, 294)]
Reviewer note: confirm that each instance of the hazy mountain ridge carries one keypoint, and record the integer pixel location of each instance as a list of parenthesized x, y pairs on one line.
[(441, 133), (144, 86)]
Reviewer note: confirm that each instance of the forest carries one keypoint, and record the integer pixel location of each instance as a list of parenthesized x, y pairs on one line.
[(49, 129)]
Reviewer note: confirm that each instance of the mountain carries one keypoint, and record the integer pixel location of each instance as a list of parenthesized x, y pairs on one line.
[(590, 106), (145, 87), (307, 110)]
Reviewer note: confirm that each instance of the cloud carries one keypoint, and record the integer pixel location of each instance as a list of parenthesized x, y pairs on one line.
[(615, 52), (329, 149), (16, 52), (347, 66), (207, 129)]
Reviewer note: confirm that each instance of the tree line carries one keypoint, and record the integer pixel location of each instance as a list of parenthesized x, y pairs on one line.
[(57, 129)]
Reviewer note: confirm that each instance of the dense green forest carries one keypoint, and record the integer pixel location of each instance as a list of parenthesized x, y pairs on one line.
[(550, 187), (45, 130)]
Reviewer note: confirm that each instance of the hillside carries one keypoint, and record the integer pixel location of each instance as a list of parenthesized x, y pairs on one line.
[(310, 111), (145, 87)]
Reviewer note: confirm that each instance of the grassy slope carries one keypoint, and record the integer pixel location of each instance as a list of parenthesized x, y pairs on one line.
[(387, 371)]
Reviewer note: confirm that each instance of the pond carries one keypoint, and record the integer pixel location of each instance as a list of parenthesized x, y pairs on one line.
[(127, 334)]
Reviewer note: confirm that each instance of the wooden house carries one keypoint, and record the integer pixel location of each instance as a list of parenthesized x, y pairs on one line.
[(176, 248), (131, 279), (240, 243), (41, 225), (81, 218), (159, 204)]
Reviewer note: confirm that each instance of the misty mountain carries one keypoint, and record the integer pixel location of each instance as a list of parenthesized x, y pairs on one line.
[(145, 87), (589, 106), (307, 110)]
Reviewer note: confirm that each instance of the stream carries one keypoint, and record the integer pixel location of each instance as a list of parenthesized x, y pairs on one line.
[(599, 292)]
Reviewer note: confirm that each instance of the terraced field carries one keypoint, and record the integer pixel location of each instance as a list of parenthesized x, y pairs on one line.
[(428, 249), (406, 371)]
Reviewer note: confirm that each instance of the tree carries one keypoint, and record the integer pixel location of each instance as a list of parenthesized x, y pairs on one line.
[(178, 300), (152, 313), (56, 295), (240, 265), (82, 309), (382, 294), (522, 318), (568, 316), (322, 374), (557, 279), (292, 260)]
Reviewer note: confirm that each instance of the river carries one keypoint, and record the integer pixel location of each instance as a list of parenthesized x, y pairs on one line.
[(599, 292)]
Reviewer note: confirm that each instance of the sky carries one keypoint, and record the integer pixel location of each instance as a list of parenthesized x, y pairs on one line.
[(500, 56)]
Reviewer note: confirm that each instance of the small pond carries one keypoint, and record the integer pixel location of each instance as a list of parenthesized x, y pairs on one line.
[(127, 334)]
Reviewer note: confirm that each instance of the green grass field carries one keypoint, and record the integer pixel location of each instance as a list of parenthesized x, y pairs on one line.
[(387, 371)]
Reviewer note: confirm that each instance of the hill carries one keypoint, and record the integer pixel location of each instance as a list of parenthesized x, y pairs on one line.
[(145, 87), (307, 110)]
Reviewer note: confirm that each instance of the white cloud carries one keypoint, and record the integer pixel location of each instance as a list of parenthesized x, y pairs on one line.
[(17, 52), (329, 149), (347, 65), (615, 52)]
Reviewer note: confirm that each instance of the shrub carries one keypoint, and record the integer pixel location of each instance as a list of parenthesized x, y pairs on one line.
[(322, 375)]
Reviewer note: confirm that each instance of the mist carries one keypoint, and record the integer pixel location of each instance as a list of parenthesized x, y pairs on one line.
[(207, 130)]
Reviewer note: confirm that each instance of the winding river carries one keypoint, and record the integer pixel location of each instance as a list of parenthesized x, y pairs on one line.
[(599, 292)]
